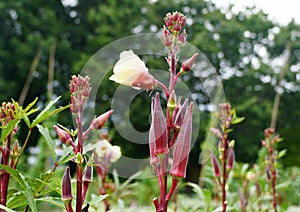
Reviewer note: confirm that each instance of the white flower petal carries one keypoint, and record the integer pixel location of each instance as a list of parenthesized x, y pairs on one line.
[(102, 147), (130, 68)]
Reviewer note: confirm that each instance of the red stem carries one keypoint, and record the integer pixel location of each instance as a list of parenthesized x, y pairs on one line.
[(6, 176), (163, 194), (225, 175), (79, 200)]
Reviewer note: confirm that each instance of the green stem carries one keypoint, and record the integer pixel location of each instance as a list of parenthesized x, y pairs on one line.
[(23, 147)]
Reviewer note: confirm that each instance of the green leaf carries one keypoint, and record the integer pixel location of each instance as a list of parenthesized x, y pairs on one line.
[(8, 128), (30, 199), (132, 177), (116, 178), (52, 200), (207, 195), (47, 112), (282, 153), (27, 121), (38, 184), (30, 105), (97, 199), (197, 189), (5, 208), (64, 158), (16, 200), (237, 120), (15, 174), (48, 140), (89, 147), (24, 185)]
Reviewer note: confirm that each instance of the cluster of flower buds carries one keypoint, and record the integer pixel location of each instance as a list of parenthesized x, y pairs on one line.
[(65, 136), (183, 145), (175, 21), (271, 139), (159, 142), (173, 29), (226, 147), (225, 114), (80, 90), (269, 142), (7, 112), (229, 158)]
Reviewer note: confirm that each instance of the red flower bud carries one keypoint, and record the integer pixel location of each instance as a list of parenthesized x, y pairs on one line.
[(66, 186), (87, 179), (98, 122), (180, 115), (167, 38), (182, 37), (182, 146), (158, 125), (216, 132), (64, 136), (188, 64), (15, 149), (215, 165), (153, 157), (230, 158), (269, 132), (88, 174)]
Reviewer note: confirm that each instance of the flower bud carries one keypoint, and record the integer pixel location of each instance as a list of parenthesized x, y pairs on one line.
[(188, 64), (180, 115), (74, 106), (216, 132), (182, 37), (66, 186), (88, 174), (225, 110), (15, 149), (231, 144), (159, 126), (64, 136), (79, 159), (269, 132), (183, 146), (153, 157), (167, 38), (172, 102), (230, 159), (98, 122), (215, 165)]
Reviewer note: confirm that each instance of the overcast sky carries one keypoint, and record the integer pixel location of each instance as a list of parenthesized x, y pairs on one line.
[(282, 11)]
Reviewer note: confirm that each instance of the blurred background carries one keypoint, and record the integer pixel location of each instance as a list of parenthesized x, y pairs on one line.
[(43, 43)]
